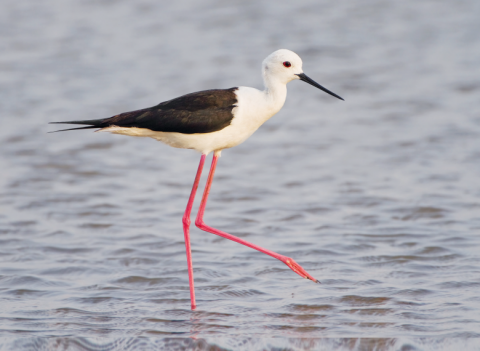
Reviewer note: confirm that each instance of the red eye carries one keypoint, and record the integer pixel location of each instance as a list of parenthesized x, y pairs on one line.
[(287, 64)]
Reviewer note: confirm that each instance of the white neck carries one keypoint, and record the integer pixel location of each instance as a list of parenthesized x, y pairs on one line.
[(275, 93)]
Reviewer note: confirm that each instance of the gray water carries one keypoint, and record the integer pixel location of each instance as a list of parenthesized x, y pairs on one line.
[(378, 197)]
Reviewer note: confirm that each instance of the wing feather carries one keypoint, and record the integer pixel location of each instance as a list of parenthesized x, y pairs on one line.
[(201, 112)]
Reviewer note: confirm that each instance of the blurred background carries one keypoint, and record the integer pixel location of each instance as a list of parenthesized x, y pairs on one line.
[(377, 197)]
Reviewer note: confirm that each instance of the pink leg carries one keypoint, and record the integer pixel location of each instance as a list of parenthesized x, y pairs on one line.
[(200, 224), (186, 230)]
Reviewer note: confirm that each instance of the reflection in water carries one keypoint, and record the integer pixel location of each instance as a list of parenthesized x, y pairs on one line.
[(378, 197)]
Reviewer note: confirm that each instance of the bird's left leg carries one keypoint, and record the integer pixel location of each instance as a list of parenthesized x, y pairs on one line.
[(186, 230), (200, 224)]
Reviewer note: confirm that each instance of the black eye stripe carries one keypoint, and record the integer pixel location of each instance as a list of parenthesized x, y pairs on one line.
[(287, 64)]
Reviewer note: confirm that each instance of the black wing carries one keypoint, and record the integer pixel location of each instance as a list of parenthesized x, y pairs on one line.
[(201, 112)]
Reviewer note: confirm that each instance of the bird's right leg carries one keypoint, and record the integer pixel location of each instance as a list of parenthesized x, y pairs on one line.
[(294, 266), (186, 229)]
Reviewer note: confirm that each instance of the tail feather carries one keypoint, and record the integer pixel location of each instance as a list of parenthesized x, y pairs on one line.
[(91, 123), (64, 130)]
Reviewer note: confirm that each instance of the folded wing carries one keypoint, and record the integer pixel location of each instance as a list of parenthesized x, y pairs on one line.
[(201, 112)]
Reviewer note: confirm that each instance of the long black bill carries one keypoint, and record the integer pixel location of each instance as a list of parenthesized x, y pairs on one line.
[(310, 81)]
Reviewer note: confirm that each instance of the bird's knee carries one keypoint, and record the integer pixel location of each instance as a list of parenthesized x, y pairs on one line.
[(186, 221), (199, 223)]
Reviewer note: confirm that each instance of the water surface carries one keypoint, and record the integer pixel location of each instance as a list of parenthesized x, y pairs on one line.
[(378, 197)]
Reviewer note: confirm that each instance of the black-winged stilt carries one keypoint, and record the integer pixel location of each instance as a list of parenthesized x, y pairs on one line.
[(213, 120)]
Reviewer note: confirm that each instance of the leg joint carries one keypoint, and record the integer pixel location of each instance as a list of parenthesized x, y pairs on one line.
[(199, 223), (186, 221)]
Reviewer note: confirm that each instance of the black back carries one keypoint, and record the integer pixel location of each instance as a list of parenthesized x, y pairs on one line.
[(201, 112)]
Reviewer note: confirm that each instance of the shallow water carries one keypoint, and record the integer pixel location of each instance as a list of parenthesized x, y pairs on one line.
[(377, 197)]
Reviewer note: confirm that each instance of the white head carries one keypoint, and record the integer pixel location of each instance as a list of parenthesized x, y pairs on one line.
[(283, 66)]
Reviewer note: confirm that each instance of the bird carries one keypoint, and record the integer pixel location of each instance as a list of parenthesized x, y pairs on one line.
[(211, 121)]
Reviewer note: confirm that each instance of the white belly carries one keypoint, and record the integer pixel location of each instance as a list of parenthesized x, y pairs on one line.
[(205, 143)]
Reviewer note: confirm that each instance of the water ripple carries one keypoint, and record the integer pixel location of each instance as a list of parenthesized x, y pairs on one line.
[(376, 197)]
